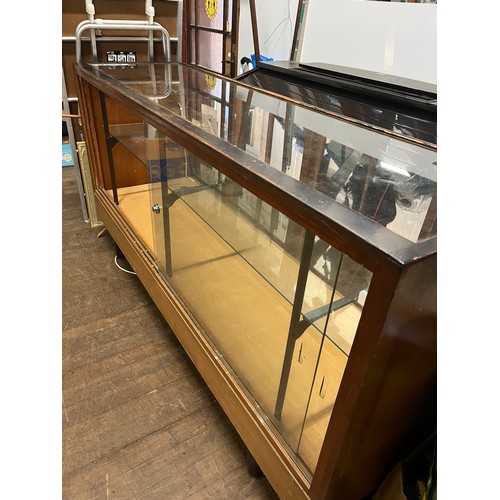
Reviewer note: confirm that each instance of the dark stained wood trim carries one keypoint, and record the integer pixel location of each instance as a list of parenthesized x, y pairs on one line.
[(393, 354), (235, 27), (429, 226), (255, 30), (90, 126), (296, 30), (206, 28), (367, 429), (185, 32)]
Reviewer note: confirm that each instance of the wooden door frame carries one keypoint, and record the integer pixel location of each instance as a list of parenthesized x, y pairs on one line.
[(229, 67)]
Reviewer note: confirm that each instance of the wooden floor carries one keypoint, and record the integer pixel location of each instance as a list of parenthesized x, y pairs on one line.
[(138, 420)]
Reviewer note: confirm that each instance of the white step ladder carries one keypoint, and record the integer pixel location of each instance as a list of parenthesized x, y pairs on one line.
[(149, 25), (96, 25)]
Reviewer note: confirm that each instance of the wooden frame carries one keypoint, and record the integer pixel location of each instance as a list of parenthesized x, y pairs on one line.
[(230, 37), (386, 402)]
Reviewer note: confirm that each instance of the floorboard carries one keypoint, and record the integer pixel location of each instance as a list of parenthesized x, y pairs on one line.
[(138, 422)]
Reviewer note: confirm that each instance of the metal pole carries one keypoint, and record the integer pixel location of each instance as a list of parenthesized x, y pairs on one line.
[(115, 25), (253, 16), (74, 150), (305, 262), (110, 142)]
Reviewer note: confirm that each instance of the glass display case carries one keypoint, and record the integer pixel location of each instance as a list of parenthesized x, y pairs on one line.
[(293, 252)]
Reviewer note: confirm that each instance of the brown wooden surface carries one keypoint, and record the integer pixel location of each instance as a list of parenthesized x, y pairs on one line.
[(314, 147), (387, 405), (91, 122), (387, 389), (255, 30), (296, 31), (129, 169), (138, 420)]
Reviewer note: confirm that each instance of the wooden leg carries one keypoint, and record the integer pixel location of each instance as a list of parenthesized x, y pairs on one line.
[(253, 467)]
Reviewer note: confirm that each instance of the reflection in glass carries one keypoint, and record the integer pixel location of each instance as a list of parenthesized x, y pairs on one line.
[(386, 193), (393, 184), (411, 123), (386, 179)]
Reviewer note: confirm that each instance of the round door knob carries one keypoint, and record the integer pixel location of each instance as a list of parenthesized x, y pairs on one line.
[(156, 208)]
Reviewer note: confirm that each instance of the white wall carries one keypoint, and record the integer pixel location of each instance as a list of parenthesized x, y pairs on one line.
[(390, 37), (275, 23), (398, 38)]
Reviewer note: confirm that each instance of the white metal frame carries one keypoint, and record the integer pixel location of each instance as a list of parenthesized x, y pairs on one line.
[(149, 25), (74, 150)]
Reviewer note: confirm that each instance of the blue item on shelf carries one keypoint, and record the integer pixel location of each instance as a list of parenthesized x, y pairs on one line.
[(67, 155), (262, 58)]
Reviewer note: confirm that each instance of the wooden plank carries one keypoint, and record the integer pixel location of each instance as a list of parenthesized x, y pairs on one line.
[(145, 375), (186, 457)]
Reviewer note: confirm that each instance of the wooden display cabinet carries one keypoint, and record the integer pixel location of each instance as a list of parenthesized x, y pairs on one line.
[(292, 251)]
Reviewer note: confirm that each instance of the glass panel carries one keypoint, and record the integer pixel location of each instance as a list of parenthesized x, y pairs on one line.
[(210, 53), (165, 161), (279, 304), (411, 123), (387, 180), (382, 182)]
